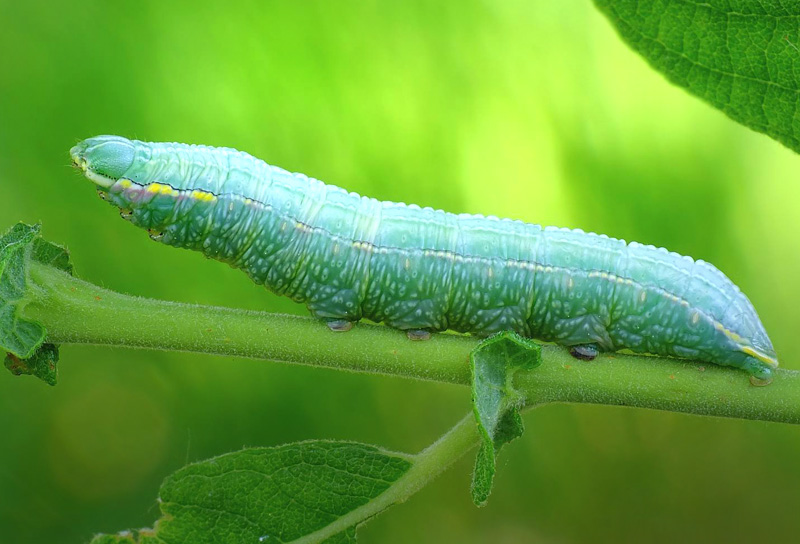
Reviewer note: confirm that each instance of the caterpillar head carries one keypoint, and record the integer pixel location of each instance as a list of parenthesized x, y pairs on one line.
[(103, 159)]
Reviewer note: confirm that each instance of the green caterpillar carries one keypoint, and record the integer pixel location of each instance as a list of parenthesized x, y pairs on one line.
[(350, 257)]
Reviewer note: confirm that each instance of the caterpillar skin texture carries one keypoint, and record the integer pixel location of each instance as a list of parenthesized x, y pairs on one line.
[(350, 257)]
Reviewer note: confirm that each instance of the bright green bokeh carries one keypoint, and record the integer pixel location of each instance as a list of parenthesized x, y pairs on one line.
[(532, 110)]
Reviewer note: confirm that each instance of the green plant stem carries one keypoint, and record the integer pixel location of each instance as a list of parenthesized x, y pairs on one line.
[(77, 312), (427, 464)]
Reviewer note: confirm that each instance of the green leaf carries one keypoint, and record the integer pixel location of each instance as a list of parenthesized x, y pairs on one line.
[(18, 336), (128, 537), (495, 403), (51, 254), (23, 338), (42, 364), (742, 56), (270, 495)]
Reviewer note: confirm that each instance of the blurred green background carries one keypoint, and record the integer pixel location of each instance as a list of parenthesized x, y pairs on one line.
[(533, 110)]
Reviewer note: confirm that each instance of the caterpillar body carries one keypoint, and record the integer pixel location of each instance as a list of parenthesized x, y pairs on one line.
[(350, 257)]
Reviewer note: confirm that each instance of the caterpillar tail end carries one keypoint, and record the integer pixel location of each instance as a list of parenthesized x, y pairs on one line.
[(760, 367)]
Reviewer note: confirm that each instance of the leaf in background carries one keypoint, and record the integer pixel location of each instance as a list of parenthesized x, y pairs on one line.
[(265, 495), (741, 56), (495, 402)]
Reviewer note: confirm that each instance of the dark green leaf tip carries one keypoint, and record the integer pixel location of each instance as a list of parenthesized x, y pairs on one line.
[(495, 402), (43, 364)]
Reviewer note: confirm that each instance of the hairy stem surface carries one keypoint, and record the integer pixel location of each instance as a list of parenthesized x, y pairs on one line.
[(77, 312)]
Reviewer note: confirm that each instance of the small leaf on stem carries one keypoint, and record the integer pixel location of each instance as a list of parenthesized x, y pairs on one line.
[(495, 402), (22, 338)]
